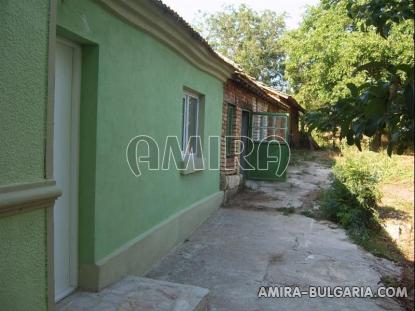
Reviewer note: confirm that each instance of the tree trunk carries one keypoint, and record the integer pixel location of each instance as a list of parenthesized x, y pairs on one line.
[(375, 142)]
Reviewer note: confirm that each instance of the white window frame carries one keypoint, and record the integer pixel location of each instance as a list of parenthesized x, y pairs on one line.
[(260, 126), (185, 125)]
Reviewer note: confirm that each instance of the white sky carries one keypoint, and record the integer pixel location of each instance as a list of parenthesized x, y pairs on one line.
[(188, 9)]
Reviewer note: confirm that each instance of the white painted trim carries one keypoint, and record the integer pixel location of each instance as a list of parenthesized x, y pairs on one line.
[(51, 91), (74, 179), (49, 151), (75, 122), (27, 196), (184, 125), (63, 294), (50, 261), (185, 138)]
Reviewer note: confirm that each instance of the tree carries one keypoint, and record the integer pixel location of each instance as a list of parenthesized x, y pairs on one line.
[(390, 102), (249, 38), (351, 63)]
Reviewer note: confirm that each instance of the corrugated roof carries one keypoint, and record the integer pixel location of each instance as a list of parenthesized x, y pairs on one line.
[(251, 84), (259, 88), (269, 92), (193, 33), (283, 96)]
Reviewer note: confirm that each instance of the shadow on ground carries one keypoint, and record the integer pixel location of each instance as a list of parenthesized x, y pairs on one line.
[(255, 242)]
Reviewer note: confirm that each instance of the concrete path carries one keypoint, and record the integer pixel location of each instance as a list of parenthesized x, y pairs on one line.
[(305, 181), (245, 246), (237, 251), (139, 294)]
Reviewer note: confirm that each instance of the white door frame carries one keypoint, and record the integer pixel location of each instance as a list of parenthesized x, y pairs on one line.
[(74, 159)]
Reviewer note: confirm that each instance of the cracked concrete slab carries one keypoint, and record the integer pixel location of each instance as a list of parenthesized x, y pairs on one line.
[(139, 294), (237, 251), (249, 245), (305, 181)]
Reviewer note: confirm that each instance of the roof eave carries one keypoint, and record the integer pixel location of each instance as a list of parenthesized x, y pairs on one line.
[(250, 84), (157, 19)]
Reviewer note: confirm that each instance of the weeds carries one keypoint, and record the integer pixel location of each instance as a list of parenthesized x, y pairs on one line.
[(353, 198), (287, 210)]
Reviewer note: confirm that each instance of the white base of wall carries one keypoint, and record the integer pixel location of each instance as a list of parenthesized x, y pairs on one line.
[(138, 256), (231, 184), (233, 181)]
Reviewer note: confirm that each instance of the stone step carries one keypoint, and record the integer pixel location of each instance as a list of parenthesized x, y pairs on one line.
[(141, 294)]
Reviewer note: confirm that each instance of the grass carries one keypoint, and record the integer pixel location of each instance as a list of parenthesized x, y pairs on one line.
[(325, 157), (311, 213), (395, 169), (390, 281)]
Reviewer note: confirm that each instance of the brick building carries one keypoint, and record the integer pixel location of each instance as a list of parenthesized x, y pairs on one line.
[(294, 110), (243, 96)]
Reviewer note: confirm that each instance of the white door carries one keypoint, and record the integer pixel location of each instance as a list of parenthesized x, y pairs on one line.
[(65, 166)]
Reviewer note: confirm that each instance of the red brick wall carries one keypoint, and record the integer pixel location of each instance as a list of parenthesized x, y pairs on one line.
[(242, 99), (294, 128)]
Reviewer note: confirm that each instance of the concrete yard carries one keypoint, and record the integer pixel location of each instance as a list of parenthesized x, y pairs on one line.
[(305, 180), (237, 251), (257, 240), (245, 246), (139, 294)]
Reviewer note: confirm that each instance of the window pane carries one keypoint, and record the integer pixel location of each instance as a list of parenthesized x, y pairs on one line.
[(184, 124), (273, 121), (192, 124), (281, 134), (269, 127), (256, 127), (264, 124), (281, 123)]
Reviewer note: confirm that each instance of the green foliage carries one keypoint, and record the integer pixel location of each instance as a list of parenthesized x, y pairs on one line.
[(249, 38), (387, 169), (381, 14), (287, 210), (351, 63), (322, 56), (351, 200)]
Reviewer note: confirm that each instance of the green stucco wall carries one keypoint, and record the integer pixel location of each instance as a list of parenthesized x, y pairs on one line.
[(23, 277), (23, 89), (139, 91), (23, 99)]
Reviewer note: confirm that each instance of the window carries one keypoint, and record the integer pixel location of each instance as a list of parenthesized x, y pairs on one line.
[(270, 126), (191, 134), (229, 130)]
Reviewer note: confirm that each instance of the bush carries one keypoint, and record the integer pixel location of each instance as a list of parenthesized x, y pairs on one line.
[(352, 198)]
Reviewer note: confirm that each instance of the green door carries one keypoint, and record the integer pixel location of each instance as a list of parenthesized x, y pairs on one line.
[(269, 150)]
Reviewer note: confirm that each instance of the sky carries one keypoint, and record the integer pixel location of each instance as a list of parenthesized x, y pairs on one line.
[(188, 9)]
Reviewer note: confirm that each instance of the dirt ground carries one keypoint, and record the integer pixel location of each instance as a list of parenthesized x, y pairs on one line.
[(308, 175), (396, 213), (397, 208)]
